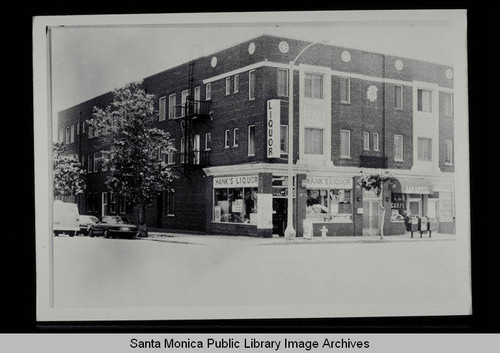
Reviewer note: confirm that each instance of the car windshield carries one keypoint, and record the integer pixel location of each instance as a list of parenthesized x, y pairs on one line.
[(88, 219), (112, 220)]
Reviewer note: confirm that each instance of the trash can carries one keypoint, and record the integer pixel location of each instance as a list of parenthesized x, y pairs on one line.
[(432, 225), (422, 225)]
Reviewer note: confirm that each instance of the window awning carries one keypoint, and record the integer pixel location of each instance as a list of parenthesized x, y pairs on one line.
[(412, 186)]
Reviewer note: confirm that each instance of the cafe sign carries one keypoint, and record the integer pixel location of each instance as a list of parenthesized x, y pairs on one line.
[(327, 183), (247, 181)]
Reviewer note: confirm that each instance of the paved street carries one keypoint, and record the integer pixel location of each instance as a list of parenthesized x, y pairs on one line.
[(221, 270)]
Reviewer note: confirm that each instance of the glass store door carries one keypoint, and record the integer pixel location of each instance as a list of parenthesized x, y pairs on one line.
[(371, 210)]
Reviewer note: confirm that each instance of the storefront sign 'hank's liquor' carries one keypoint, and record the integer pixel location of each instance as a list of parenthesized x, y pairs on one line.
[(273, 128), (327, 183), (249, 181)]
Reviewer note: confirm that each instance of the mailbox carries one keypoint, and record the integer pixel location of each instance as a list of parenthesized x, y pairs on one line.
[(412, 224)]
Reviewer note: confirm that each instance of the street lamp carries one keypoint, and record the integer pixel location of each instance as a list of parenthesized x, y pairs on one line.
[(290, 231)]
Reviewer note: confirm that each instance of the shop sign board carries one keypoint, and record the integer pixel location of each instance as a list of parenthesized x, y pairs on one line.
[(273, 128), (416, 189), (443, 186), (247, 181), (327, 183)]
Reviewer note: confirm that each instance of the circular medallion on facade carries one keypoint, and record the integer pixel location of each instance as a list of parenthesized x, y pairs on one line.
[(449, 74), (251, 48), (214, 61), (346, 56), (283, 46), (398, 64)]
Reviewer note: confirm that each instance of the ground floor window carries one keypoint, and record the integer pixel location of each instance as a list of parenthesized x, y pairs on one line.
[(398, 207), (235, 205), (329, 205)]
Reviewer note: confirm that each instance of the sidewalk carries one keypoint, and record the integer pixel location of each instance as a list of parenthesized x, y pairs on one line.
[(206, 239)]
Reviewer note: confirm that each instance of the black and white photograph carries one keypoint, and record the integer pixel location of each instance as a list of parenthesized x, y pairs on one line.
[(252, 166)]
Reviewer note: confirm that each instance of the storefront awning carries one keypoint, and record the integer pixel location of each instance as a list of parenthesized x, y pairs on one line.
[(412, 186)]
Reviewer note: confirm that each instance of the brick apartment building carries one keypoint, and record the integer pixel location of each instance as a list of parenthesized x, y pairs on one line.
[(353, 110)]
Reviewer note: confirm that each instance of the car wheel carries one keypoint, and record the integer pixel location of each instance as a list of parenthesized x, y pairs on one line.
[(56, 234), (106, 234), (72, 234), (91, 233)]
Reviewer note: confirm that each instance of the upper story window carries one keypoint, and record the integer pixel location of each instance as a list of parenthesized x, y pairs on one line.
[(61, 135), (448, 105), (424, 149), (208, 141), (313, 86), (398, 148), (208, 91), (448, 158), (284, 139), (424, 100), (162, 108), (251, 140), (376, 146), (235, 138), (226, 139), (78, 128), (171, 106), (345, 144), (282, 83), (90, 163), (228, 86), (345, 90), (84, 126), (366, 141), (67, 135), (236, 83), (314, 138), (72, 134), (251, 84), (184, 96), (398, 97), (96, 162)]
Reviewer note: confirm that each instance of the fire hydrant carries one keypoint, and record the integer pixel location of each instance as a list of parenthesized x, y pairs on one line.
[(323, 231)]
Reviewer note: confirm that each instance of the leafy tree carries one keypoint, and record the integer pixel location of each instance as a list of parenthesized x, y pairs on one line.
[(376, 182), (132, 146), (68, 172)]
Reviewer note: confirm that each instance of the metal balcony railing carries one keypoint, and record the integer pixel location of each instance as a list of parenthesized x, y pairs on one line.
[(193, 108), (196, 158), (372, 161)]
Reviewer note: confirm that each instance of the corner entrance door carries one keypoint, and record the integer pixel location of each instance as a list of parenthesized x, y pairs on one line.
[(279, 215), (371, 211)]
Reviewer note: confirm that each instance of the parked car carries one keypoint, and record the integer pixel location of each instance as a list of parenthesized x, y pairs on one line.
[(113, 227), (86, 222), (66, 218)]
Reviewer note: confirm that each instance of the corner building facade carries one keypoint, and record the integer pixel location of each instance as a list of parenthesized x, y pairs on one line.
[(227, 115)]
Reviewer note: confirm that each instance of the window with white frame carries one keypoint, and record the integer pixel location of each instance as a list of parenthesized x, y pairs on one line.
[(236, 83), (424, 149), (313, 86), (366, 141), (251, 140), (251, 84), (90, 163), (169, 203), (345, 90), (197, 98), (84, 126), (78, 128), (424, 100), (376, 145), (345, 144), (67, 135), (162, 108), (169, 152), (171, 106), (284, 139), (448, 104), (226, 138), (183, 149), (208, 141), (208, 91), (184, 96), (228, 86), (398, 148), (448, 159), (96, 162), (282, 83), (235, 137), (398, 97), (314, 138)]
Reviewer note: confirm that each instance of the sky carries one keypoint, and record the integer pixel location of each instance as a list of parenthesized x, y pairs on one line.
[(90, 58)]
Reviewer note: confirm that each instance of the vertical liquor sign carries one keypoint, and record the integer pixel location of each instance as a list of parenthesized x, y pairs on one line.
[(273, 128)]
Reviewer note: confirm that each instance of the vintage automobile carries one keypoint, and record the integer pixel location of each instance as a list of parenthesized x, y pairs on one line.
[(86, 222), (113, 227)]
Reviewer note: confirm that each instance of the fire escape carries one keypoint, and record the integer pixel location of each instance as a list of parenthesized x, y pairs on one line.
[(190, 113)]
